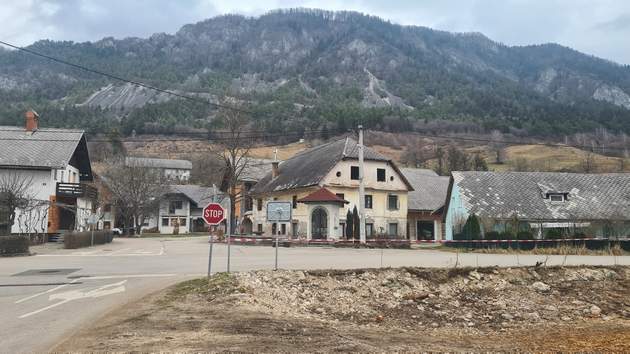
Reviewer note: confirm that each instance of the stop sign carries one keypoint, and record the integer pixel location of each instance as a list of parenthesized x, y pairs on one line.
[(213, 214)]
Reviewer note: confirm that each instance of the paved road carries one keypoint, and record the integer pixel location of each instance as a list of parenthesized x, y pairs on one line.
[(44, 298)]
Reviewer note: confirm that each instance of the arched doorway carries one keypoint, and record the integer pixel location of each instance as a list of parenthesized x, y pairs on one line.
[(246, 226), (319, 223)]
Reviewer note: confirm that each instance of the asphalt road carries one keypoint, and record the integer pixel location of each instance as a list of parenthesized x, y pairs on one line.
[(44, 298)]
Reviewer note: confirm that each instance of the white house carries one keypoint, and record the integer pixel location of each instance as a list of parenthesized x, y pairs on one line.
[(174, 170), (322, 184), (181, 208), (56, 166)]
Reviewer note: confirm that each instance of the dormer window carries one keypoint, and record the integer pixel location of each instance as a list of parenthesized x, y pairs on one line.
[(557, 197)]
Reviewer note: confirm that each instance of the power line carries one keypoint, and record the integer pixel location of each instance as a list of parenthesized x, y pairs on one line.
[(115, 77)]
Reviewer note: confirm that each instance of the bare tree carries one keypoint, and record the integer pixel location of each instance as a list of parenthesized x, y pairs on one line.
[(15, 194), (497, 146), (588, 163), (233, 150), (136, 190)]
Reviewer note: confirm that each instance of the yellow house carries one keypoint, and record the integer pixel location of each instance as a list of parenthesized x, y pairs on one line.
[(322, 184)]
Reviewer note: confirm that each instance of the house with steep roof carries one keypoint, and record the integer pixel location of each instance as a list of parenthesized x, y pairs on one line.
[(568, 203), (56, 166), (425, 203), (170, 169), (180, 209), (322, 184)]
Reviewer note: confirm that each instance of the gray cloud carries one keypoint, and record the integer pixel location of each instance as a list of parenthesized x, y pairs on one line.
[(600, 28)]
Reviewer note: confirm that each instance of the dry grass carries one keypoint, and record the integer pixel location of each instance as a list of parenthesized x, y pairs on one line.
[(614, 250)]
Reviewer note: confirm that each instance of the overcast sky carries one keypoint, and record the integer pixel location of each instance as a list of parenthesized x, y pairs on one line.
[(600, 27)]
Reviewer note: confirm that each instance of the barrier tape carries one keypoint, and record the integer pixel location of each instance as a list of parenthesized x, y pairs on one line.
[(241, 239)]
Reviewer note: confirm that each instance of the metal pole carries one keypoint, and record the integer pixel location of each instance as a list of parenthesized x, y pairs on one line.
[(362, 237), (277, 238), (92, 236), (229, 231), (214, 199)]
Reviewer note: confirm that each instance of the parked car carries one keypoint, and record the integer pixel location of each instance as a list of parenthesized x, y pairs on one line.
[(116, 231)]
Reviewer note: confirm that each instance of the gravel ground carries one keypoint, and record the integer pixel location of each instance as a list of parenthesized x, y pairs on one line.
[(406, 309)]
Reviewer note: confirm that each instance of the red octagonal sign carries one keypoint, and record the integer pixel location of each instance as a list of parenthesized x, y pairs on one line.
[(213, 214)]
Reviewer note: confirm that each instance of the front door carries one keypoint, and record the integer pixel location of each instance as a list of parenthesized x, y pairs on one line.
[(319, 224), (425, 230)]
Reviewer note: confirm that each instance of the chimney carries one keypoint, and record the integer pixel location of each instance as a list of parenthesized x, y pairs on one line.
[(275, 171), (32, 121)]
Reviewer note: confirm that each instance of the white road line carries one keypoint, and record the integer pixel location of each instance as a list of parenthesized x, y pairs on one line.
[(68, 296), (46, 292), (118, 251), (124, 276)]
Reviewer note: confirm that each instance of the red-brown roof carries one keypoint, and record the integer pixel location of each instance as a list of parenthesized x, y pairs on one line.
[(322, 195)]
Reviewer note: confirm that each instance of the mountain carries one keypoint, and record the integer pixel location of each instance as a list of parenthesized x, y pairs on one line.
[(321, 70)]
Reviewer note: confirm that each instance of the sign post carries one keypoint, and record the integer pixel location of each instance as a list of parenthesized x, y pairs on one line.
[(278, 212), (92, 220), (213, 214)]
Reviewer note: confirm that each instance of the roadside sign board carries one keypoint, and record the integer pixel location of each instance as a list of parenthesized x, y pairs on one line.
[(213, 214), (279, 211)]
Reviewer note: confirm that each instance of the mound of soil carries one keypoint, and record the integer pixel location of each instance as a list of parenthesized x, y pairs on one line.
[(407, 309)]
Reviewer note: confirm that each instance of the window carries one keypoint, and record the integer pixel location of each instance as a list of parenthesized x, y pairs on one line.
[(249, 203), (354, 172), (55, 175), (338, 174), (380, 175), (260, 228), (294, 230), (174, 205), (274, 228), (283, 229), (368, 201), (182, 222), (164, 221), (556, 197), (342, 225), (392, 229), (62, 175), (369, 229), (294, 201), (259, 203), (340, 196), (392, 202)]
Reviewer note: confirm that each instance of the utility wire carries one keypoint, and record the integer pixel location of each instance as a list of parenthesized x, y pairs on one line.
[(115, 77)]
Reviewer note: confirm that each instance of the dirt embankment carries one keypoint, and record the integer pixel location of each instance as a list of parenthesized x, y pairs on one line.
[(409, 309)]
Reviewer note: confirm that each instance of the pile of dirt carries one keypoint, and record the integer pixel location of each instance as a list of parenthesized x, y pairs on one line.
[(469, 300), (377, 310)]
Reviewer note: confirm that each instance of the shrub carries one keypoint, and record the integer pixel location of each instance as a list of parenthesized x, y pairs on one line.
[(472, 230), (13, 245), (506, 235), (525, 235), (579, 235), (84, 239), (492, 235), (553, 234)]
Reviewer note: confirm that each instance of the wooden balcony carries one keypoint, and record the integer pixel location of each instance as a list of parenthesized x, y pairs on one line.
[(76, 190)]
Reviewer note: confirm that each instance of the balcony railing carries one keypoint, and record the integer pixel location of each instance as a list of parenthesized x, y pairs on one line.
[(76, 190)]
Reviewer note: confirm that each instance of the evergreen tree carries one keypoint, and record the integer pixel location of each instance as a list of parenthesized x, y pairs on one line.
[(356, 223), (472, 229), (349, 225)]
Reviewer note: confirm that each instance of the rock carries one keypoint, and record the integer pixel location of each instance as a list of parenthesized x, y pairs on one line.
[(541, 287), (507, 316), (468, 315), (435, 325), (532, 316), (565, 318), (595, 310), (474, 275)]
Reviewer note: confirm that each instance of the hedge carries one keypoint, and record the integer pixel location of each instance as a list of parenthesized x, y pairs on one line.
[(84, 239), (13, 245)]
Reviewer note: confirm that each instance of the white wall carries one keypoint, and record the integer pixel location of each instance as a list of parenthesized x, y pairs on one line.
[(41, 188)]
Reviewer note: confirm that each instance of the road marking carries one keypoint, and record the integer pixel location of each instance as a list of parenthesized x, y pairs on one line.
[(65, 297), (46, 292), (126, 276)]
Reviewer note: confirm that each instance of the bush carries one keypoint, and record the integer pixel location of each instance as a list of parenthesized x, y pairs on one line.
[(13, 245), (506, 235), (84, 239), (553, 234), (525, 235), (492, 235), (472, 230)]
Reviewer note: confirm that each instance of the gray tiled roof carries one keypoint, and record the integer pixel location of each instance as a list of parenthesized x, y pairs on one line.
[(159, 163), (505, 194), (45, 148), (309, 167), (199, 195), (255, 170), (430, 190)]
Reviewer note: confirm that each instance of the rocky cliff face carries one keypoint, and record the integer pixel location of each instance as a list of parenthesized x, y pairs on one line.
[(316, 57)]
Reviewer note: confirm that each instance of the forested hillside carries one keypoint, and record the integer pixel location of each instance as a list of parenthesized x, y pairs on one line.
[(312, 69)]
